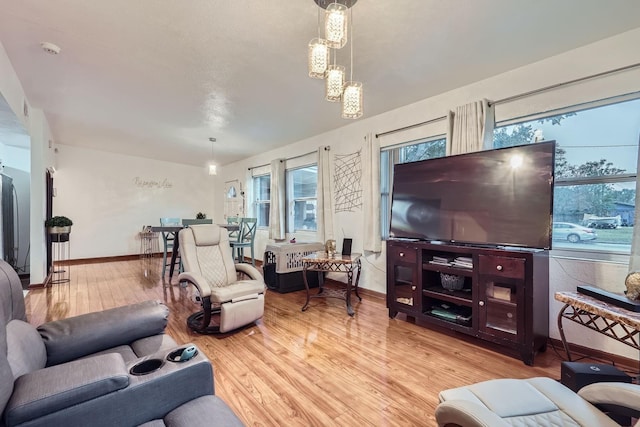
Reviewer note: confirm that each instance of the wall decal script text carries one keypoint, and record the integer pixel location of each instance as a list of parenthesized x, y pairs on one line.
[(150, 183)]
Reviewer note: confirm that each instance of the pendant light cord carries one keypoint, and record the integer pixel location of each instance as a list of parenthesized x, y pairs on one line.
[(351, 40)]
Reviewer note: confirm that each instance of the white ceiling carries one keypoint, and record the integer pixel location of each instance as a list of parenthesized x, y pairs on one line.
[(157, 78)]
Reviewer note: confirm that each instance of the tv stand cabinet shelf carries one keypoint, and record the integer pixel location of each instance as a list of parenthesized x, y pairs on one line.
[(504, 297)]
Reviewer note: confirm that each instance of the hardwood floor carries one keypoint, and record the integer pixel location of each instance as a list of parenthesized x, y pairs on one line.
[(317, 368)]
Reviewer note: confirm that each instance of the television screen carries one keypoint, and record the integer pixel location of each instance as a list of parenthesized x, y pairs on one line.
[(501, 197)]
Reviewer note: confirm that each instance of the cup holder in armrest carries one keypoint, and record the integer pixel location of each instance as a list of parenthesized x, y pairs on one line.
[(146, 366), (176, 355)]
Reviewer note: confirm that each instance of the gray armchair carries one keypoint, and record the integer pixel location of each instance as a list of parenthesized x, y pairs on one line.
[(111, 368), (209, 266), (536, 401)]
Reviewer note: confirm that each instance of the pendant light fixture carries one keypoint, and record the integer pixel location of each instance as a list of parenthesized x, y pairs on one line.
[(318, 55), (337, 15), (334, 83), (318, 58), (352, 96), (213, 168), (335, 25)]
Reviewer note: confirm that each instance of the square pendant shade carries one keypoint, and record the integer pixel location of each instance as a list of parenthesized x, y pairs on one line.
[(335, 25), (352, 101), (334, 83), (318, 58), (213, 170)]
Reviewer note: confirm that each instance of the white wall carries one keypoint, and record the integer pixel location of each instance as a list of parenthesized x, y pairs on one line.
[(41, 156), (109, 197), (598, 57)]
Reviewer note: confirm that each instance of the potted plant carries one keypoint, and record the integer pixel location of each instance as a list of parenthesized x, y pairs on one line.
[(201, 215), (58, 225)]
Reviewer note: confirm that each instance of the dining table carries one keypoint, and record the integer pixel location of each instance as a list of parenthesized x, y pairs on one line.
[(175, 230)]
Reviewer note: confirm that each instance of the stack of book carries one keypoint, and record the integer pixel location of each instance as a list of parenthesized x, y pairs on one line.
[(462, 262), (440, 260)]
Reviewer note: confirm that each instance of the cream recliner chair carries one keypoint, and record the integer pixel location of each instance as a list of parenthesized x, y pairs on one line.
[(536, 402), (208, 265)]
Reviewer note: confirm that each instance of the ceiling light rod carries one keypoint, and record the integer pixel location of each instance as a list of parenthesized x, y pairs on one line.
[(213, 169), (324, 3)]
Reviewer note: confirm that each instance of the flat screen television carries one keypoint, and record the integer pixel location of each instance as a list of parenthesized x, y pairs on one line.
[(501, 197)]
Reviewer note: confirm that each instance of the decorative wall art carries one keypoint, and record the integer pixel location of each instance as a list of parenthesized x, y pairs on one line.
[(348, 182), (152, 183)]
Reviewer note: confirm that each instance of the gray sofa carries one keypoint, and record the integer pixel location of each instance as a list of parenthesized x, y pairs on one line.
[(110, 368)]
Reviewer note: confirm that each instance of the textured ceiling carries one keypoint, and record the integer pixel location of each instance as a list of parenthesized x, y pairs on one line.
[(157, 78)]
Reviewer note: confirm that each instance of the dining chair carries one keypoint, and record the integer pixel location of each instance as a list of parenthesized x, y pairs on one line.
[(246, 237), (168, 238), (233, 234)]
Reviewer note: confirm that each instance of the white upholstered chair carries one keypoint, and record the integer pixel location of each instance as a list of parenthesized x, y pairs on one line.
[(209, 266), (538, 401)]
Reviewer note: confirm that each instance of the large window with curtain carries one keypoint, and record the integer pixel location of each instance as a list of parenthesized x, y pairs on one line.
[(262, 195), (595, 171), (412, 152), (301, 198)]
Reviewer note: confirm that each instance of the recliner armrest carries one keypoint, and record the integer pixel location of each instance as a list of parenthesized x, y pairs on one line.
[(198, 281), (48, 390), (466, 414), (618, 394), (79, 336), (249, 270)]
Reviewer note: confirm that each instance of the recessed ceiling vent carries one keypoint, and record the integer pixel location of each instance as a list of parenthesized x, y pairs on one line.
[(50, 48)]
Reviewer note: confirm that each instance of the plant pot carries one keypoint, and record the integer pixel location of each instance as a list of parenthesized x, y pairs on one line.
[(59, 230)]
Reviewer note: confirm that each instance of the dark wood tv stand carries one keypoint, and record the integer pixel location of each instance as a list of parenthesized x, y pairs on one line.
[(504, 299)]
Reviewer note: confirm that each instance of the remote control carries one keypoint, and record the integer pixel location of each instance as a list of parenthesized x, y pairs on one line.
[(188, 353)]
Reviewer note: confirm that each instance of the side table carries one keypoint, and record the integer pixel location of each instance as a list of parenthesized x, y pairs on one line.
[(615, 322), (322, 262), (61, 252)]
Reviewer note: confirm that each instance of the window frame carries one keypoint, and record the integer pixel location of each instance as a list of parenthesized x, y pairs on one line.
[(290, 201), (600, 254), (260, 202), (389, 157)]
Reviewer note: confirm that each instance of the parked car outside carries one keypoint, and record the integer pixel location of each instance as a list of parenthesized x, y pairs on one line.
[(574, 233)]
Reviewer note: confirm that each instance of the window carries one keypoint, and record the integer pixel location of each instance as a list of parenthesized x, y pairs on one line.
[(302, 198), (595, 173), (262, 192), (428, 149)]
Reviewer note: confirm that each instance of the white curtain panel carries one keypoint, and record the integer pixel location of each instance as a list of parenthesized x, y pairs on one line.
[(470, 128), (277, 208), (371, 194), (634, 259), (324, 209)]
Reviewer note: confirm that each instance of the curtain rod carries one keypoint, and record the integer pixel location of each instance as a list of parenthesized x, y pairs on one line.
[(327, 148), (522, 95)]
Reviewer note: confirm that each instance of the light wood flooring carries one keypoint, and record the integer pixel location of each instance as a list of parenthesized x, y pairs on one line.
[(293, 368)]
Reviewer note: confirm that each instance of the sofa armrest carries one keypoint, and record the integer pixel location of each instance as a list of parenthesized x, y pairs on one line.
[(53, 389), (147, 397), (617, 394), (466, 414), (79, 336)]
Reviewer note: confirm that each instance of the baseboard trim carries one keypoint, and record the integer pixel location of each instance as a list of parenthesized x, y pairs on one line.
[(125, 258), (581, 352), (38, 285)]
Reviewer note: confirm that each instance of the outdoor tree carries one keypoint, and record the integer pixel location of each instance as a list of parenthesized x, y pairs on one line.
[(425, 150)]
